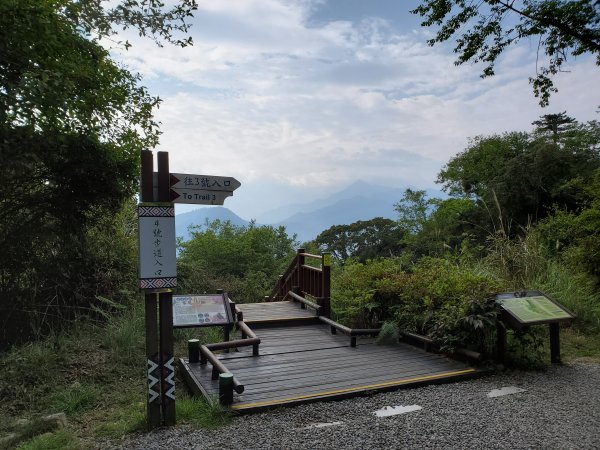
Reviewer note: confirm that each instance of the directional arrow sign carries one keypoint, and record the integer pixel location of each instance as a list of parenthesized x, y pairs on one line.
[(203, 182), (199, 197)]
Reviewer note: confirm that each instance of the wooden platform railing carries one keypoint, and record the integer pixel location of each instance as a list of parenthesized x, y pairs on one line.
[(352, 332), (205, 352), (304, 279)]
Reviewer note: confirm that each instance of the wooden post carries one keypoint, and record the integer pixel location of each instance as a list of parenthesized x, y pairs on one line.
[(193, 350), (166, 312), (554, 343), (500, 341), (150, 314), (226, 389), (326, 284), (299, 263)]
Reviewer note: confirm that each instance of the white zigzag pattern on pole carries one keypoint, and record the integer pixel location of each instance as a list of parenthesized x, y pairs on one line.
[(152, 381), (169, 380)]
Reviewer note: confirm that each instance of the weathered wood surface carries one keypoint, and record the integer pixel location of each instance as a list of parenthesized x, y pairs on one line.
[(275, 312), (307, 363)]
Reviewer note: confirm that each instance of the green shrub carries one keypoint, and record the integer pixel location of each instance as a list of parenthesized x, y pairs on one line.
[(353, 291), (437, 298), (449, 303)]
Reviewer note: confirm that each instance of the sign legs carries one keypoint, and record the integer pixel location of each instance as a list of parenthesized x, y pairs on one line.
[(154, 398), (167, 361)]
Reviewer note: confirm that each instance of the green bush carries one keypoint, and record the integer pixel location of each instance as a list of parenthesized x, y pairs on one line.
[(353, 291), (451, 304)]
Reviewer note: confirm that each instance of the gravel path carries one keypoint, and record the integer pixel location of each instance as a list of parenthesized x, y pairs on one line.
[(558, 409)]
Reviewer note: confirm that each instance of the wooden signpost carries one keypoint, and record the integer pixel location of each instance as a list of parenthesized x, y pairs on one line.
[(158, 268)]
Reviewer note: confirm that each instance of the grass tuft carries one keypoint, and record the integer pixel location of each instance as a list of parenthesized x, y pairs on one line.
[(61, 440), (74, 399), (206, 413)]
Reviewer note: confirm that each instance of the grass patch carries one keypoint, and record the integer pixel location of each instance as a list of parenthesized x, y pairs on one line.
[(74, 398), (205, 413), (61, 440), (579, 347), (121, 421)]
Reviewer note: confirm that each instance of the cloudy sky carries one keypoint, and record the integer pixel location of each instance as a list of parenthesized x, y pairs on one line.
[(297, 98)]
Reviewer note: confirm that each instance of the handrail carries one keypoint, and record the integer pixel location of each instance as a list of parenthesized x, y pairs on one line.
[(233, 344), (207, 355), (310, 255), (304, 301), (312, 280), (429, 343), (352, 332)]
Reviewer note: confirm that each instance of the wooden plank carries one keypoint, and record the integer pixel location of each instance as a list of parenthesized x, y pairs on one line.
[(341, 384), (326, 387), (354, 391), (339, 355), (290, 377), (258, 375), (324, 356)]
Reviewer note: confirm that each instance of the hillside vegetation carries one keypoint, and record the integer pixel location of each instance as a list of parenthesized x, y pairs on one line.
[(523, 213)]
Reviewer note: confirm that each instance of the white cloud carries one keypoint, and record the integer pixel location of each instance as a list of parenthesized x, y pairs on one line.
[(263, 96)]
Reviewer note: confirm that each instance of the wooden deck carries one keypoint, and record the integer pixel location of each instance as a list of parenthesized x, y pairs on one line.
[(269, 312), (303, 361)]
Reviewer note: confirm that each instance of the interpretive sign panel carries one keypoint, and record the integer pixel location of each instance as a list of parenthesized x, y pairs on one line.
[(532, 307), (201, 310), (158, 268)]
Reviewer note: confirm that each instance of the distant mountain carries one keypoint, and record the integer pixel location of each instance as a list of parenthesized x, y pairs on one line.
[(358, 188), (358, 201), (200, 217)]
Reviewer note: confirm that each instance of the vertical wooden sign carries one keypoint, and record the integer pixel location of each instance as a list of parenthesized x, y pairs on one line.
[(153, 399), (165, 306)]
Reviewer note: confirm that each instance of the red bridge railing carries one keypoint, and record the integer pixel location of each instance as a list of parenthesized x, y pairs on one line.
[(305, 279)]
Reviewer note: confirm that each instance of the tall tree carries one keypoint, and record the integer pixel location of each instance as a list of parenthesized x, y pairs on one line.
[(519, 178), (554, 123), (484, 30), (72, 123)]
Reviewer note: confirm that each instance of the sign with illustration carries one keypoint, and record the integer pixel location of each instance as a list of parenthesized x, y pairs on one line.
[(158, 268), (201, 310), (533, 307)]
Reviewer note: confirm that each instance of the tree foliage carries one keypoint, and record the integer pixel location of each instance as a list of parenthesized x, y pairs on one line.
[(485, 29), (365, 239), (72, 124), (243, 260), (518, 178)]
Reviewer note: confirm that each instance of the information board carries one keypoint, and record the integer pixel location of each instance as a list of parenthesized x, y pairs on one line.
[(533, 307), (201, 310)]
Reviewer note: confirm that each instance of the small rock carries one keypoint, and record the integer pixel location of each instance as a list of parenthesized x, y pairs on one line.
[(505, 391)]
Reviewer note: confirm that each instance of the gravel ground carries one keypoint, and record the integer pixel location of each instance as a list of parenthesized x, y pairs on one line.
[(558, 409)]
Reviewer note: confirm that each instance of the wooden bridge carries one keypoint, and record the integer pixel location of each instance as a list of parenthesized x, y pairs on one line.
[(289, 351)]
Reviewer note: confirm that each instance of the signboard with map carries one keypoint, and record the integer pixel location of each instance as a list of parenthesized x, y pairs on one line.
[(201, 310), (532, 307)]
